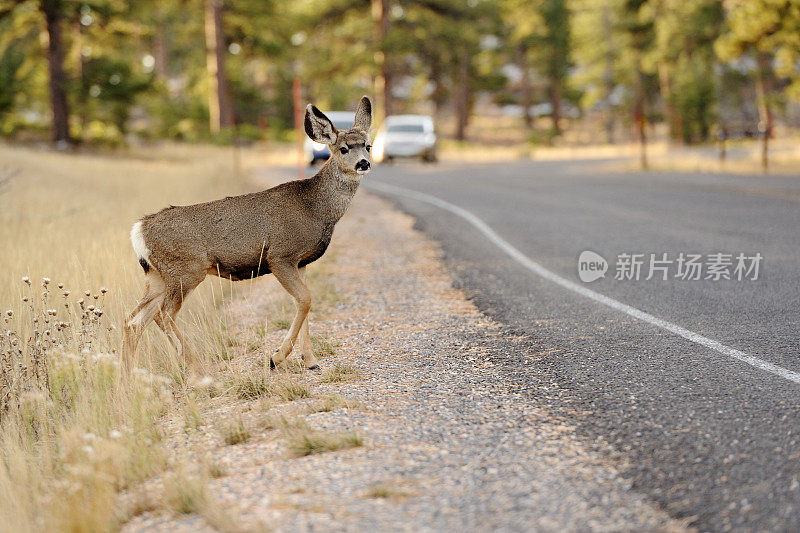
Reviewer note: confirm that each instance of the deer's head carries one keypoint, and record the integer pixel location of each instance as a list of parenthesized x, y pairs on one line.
[(349, 149)]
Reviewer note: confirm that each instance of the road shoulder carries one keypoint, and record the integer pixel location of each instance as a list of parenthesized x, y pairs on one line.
[(448, 441)]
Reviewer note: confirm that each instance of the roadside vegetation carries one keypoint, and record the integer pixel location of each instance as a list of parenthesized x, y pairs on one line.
[(80, 434), (74, 429), (500, 73)]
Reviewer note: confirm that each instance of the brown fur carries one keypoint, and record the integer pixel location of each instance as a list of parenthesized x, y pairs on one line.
[(279, 230)]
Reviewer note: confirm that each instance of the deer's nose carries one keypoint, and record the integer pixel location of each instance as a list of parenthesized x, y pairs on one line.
[(362, 165)]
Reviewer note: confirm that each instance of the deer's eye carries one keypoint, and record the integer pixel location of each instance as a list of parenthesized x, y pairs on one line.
[(343, 150), (368, 147)]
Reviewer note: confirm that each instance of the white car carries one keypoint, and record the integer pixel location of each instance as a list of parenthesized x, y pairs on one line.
[(405, 136), (342, 120)]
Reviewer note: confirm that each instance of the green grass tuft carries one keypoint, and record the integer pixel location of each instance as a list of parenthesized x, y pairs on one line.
[(291, 391), (250, 386), (262, 385)]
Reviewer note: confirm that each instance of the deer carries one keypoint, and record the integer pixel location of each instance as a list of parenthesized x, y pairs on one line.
[(280, 231)]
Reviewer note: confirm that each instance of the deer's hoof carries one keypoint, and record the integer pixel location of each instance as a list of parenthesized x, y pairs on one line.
[(271, 364)]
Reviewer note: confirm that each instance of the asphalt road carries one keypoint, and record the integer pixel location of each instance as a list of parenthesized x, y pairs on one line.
[(708, 437)]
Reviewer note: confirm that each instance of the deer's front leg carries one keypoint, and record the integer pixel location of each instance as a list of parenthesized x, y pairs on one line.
[(304, 345), (291, 280), (306, 348)]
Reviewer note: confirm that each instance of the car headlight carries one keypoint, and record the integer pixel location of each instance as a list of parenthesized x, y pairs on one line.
[(317, 146)]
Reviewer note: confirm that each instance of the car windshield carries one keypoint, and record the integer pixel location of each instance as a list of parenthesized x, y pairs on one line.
[(406, 128)]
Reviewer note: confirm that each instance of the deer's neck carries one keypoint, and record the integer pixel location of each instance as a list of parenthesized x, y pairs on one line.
[(333, 192)]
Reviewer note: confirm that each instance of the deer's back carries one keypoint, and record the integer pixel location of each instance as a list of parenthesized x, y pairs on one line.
[(237, 237)]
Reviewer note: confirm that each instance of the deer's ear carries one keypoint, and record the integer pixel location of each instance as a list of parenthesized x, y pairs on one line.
[(319, 127), (363, 120)]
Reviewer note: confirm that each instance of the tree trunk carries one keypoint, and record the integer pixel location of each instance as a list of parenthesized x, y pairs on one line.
[(639, 116), (220, 110), (383, 82), (462, 96), (160, 46), (438, 95), (525, 86), (80, 64), (766, 118), (58, 78), (608, 73), (388, 101), (297, 101), (671, 113), (555, 102)]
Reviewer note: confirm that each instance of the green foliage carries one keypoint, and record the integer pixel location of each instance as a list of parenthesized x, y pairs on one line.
[(10, 62), (543, 137), (694, 96), (683, 58), (143, 67), (112, 88), (765, 28)]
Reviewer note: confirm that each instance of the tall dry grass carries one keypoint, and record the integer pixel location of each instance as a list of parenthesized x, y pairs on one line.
[(74, 429)]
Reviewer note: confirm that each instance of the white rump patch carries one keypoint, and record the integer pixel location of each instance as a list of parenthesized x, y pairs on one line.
[(137, 239)]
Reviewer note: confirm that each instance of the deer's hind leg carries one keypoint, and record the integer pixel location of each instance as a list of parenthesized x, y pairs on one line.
[(144, 313), (290, 278), (304, 345), (176, 292)]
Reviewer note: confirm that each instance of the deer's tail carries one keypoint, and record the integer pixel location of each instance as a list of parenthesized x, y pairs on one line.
[(140, 247)]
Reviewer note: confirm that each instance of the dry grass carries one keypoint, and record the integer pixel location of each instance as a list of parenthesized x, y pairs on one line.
[(501, 139), (332, 402), (322, 287), (281, 322), (338, 373), (260, 384), (281, 309), (301, 439), (186, 493), (293, 390), (250, 386), (322, 346), (192, 417), (386, 491), (272, 421), (235, 432), (75, 431), (75, 445), (216, 469), (744, 157)]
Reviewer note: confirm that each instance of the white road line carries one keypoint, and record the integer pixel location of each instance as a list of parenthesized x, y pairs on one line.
[(532, 265)]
